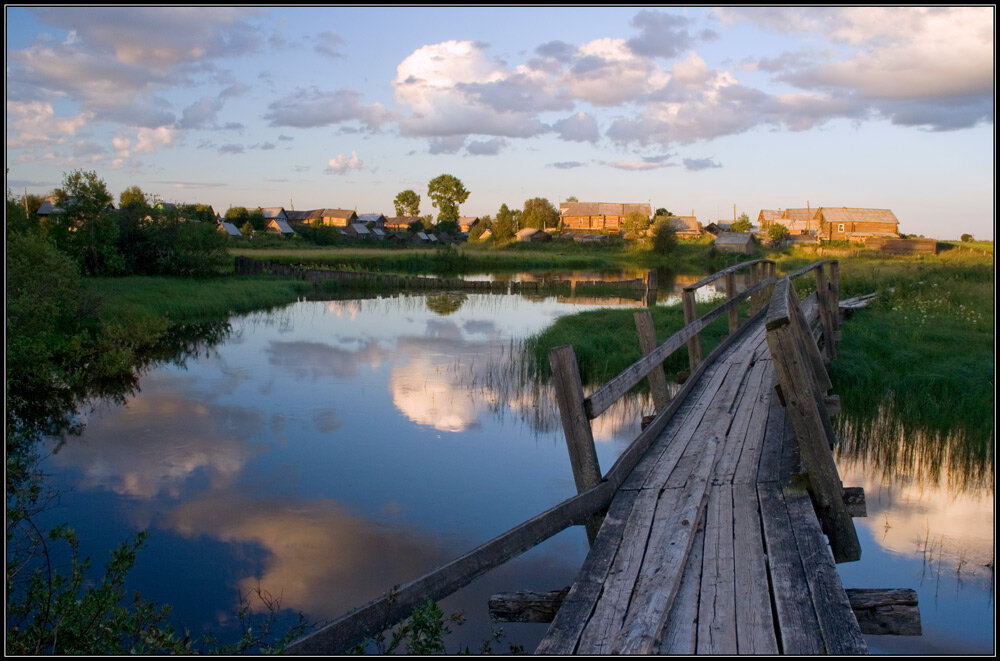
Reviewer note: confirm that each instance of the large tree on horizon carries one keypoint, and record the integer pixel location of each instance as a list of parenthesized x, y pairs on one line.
[(447, 192), (407, 203)]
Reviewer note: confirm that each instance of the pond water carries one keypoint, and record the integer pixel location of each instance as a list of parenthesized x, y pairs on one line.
[(325, 452)]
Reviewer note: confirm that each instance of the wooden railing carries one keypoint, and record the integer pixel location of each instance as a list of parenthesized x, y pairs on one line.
[(594, 492)]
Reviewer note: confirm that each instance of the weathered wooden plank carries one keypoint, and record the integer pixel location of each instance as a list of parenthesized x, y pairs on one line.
[(564, 633), (838, 625), (769, 465), (749, 461), (717, 607), (754, 623), (680, 633), (740, 435), (884, 612), (854, 498), (610, 609), (734, 317), (526, 606), (353, 628), (669, 542), (647, 343), (796, 618)]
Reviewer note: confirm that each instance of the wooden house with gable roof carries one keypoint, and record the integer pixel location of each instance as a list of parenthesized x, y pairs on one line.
[(337, 217), (600, 216), (856, 224)]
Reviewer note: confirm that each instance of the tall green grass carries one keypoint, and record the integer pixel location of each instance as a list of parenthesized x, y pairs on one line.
[(189, 299)]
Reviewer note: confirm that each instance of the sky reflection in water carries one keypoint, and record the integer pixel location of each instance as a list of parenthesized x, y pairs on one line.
[(330, 450)]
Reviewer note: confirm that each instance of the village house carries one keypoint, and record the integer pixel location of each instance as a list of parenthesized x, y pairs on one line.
[(533, 235), (736, 242), (833, 223), (466, 223), (605, 216), (274, 213), (685, 227), (279, 226), (336, 217), (400, 223), (376, 219), (358, 231), (301, 216), (854, 224), (227, 227)]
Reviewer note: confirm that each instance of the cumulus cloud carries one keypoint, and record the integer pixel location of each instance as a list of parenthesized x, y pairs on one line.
[(645, 163), (201, 113), (231, 149), (486, 147), (580, 127), (567, 165), (907, 63), (34, 124), (313, 108), (148, 140), (695, 164), (661, 34), (448, 145), (453, 89), (342, 164)]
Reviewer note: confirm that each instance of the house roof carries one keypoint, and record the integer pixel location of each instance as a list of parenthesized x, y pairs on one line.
[(230, 228), (338, 213), (800, 214), (359, 228), (401, 221), (769, 214), (602, 209), (685, 223), (282, 226), (854, 214), (734, 238), (298, 215), (371, 217), (273, 212)]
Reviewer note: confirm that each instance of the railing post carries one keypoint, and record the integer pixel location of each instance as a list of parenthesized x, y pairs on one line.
[(576, 425), (691, 314), (734, 313), (809, 420), (826, 319), (647, 342), (835, 293), (755, 269)]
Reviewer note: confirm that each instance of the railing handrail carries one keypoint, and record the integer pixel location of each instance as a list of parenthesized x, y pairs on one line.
[(729, 269)]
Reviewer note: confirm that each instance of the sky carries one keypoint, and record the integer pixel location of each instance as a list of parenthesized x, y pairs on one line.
[(701, 110)]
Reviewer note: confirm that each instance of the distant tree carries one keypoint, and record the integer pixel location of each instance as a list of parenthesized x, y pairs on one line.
[(237, 215), (448, 226), (635, 223), (967, 238), (84, 227), (22, 213), (256, 218), (203, 212), (132, 196), (572, 198), (539, 212), (427, 221), (448, 193), (505, 224), (777, 232), (247, 230), (662, 212), (407, 203), (741, 225), (664, 237), (415, 226)]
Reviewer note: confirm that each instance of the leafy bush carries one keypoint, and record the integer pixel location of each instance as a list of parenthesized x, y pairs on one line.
[(664, 237)]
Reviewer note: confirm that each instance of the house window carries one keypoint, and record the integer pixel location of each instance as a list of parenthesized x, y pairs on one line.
[(840, 227)]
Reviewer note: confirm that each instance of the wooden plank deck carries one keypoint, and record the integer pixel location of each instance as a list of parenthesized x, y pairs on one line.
[(708, 546)]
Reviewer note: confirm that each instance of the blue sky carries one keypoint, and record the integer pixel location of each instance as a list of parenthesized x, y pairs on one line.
[(692, 109)]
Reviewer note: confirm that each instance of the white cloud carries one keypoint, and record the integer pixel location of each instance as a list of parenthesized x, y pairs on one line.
[(313, 108), (580, 127), (33, 124), (343, 163), (490, 147), (149, 140)]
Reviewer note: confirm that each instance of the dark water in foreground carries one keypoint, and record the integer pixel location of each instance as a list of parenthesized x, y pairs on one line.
[(330, 450)]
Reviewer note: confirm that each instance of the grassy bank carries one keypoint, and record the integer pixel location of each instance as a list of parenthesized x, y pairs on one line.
[(187, 300), (485, 258)]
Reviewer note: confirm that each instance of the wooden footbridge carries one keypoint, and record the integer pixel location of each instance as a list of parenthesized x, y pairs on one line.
[(717, 530)]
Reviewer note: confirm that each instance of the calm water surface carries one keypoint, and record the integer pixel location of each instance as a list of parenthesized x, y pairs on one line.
[(330, 450)]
